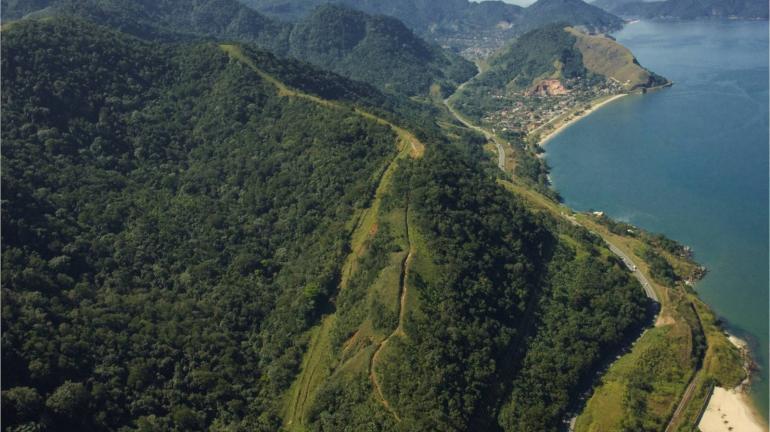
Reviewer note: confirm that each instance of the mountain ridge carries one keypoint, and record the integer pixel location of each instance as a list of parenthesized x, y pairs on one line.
[(455, 23), (397, 53)]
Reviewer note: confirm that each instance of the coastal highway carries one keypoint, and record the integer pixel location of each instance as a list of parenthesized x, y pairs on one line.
[(501, 164), (489, 136), (635, 270), (626, 260)]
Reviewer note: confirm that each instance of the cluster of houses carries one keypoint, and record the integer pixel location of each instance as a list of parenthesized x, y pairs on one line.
[(525, 111)]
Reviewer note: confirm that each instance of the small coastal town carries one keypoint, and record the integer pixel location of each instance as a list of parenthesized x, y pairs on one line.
[(528, 111)]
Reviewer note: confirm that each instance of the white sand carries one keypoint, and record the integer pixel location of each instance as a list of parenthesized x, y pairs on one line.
[(730, 410)]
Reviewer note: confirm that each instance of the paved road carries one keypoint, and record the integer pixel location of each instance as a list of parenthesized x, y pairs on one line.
[(489, 136), (501, 164), (626, 260), (631, 266)]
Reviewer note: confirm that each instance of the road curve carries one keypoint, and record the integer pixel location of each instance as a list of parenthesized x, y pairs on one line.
[(635, 270), (487, 135), (466, 123), (646, 285)]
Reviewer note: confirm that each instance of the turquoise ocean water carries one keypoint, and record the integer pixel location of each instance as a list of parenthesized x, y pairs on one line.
[(690, 161)]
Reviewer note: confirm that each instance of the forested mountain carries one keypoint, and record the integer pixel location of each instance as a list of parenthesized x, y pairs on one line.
[(554, 52), (203, 236), (377, 50), (573, 12), (456, 22), (165, 214), (687, 9), (167, 20), (420, 15)]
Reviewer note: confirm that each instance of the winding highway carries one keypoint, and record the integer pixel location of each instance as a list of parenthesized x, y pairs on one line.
[(646, 285), (489, 136), (635, 270)]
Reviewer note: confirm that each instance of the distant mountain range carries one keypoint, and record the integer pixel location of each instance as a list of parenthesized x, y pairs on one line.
[(374, 49), (452, 21), (687, 9)]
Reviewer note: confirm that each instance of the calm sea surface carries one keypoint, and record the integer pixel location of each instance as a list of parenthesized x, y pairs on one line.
[(690, 162)]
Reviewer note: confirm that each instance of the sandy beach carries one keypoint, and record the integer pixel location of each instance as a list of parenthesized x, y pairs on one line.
[(731, 409), (586, 113)]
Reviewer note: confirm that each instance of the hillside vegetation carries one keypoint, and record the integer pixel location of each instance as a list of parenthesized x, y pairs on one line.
[(175, 223), (376, 50), (206, 237), (496, 299), (603, 56), (553, 52)]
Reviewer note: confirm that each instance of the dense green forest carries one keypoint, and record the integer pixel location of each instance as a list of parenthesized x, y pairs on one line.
[(164, 212), (506, 301), (176, 231), (376, 50)]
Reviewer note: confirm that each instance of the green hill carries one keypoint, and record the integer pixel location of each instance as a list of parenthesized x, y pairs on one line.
[(554, 52), (422, 16), (574, 12), (376, 50), (203, 236), (167, 20), (180, 220), (603, 56)]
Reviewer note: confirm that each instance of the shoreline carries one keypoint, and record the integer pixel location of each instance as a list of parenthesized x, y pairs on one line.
[(733, 409), (730, 410), (544, 140)]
